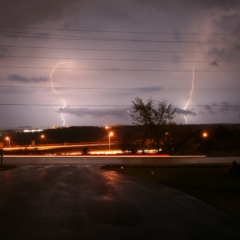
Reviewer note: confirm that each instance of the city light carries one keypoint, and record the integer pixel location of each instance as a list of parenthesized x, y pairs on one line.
[(8, 139)]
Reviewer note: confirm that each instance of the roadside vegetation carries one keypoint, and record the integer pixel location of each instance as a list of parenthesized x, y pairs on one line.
[(210, 184)]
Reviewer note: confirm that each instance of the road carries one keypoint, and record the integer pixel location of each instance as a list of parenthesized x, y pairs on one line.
[(103, 160), (84, 202)]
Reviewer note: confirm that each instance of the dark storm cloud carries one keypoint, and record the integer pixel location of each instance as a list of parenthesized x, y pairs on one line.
[(219, 53), (223, 108), (224, 54), (214, 63), (97, 113), (237, 48), (181, 111), (18, 78), (69, 13), (221, 4), (27, 12), (229, 23), (208, 109)]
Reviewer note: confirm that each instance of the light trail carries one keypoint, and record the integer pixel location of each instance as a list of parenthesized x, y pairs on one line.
[(53, 88), (191, 92)]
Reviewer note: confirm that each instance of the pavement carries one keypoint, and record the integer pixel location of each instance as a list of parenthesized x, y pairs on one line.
[(85, 202), (99, 160)]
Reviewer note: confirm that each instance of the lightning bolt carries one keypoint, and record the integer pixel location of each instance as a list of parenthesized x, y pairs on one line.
[(64, 105), (191, 92), (53, 88)]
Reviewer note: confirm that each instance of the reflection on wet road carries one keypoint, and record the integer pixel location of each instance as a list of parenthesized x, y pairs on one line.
[(84, 202)]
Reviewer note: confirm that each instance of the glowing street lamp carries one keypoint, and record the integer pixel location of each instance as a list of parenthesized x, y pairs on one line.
[(110, 134), (205, 134), (42, 137), (8, 139)]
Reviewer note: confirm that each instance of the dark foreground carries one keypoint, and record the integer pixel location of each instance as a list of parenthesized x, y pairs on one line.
[(84, 202)]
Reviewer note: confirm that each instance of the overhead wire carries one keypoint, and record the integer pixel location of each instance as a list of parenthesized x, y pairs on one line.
[(112, 59), (106, 105), (122, 40), (117, 31), (119, 69), (99, 49), (116, 88)]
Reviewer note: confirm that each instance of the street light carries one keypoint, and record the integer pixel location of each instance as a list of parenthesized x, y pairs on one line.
[(110, 134), (42, 137), (8, 139), (205, 135)]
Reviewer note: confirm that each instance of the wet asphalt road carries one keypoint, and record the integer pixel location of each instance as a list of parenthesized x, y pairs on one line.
[(103, 160), (85, 202)]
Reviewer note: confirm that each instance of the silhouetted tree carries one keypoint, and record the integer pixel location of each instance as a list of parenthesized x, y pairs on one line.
[(153, 115)]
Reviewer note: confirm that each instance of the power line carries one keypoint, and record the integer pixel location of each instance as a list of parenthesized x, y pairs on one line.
[(112, 59), (115, 31), (60, 105), (101, 50), (121, 69), (122, 40), (97, 38), (124, 89), (104, 105)]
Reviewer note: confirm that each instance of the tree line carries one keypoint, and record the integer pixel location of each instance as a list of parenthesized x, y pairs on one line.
[(160, 134), (153, 129)]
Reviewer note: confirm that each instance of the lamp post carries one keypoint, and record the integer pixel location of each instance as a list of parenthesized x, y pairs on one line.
[(8, 139), (205, 135), (42, 137), (109, 135), (1, 152)]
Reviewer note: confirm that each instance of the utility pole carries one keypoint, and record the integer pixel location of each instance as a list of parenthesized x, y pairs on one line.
[(1, 152)]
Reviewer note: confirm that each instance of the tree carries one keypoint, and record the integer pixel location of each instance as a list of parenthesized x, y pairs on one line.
[(179, 139), (153, 115), (85, 150), (129, 143)]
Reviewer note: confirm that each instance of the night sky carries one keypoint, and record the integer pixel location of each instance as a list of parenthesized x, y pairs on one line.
[(77, 63)]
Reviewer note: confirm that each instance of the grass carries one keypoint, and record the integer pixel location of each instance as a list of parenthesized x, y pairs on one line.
[(207, 183)]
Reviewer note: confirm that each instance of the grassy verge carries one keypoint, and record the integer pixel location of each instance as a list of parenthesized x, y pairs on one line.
[(207, 183)]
